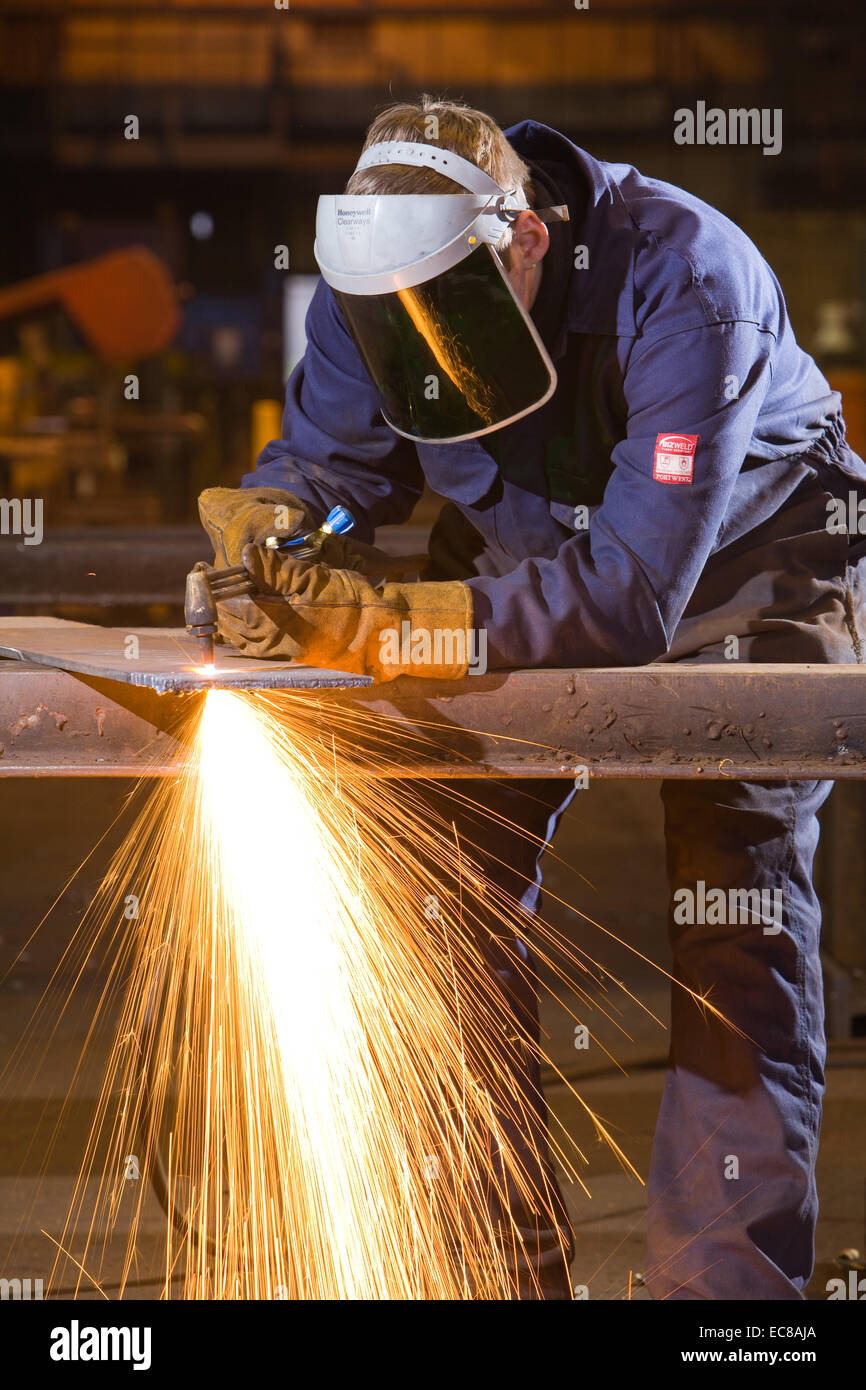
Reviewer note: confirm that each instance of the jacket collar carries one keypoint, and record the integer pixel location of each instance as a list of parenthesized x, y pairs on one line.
[(601, 297)]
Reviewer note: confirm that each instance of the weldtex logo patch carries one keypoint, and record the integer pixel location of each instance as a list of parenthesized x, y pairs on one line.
[(674, 458)]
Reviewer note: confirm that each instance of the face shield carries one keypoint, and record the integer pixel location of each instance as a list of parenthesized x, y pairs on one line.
[(451, 349)]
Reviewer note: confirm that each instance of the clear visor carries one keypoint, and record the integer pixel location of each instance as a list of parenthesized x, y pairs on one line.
[(454, 357)]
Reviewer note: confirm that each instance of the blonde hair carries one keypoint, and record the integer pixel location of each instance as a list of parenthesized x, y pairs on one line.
[(450, 125)]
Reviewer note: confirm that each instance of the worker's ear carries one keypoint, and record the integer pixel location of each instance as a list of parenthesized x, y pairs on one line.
[(529, 241)]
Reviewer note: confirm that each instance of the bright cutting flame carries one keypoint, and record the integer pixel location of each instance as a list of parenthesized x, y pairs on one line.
[(307, 945)]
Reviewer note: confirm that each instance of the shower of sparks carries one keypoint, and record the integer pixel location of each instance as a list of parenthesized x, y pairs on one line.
[(313, 1053), (315, 1061)]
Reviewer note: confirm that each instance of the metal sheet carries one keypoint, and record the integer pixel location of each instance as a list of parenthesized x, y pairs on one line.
[(163, 659)]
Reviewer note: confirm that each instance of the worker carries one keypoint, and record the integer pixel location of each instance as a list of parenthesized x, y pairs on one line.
[(597, 371)]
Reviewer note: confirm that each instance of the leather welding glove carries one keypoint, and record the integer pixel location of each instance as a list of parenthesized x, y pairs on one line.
[(336, 619), (237, 516)]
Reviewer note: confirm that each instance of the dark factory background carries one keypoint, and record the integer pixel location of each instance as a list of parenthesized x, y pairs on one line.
[(244, 113)]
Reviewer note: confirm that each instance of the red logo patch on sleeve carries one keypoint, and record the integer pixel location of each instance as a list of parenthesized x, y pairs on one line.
[(674, 458)]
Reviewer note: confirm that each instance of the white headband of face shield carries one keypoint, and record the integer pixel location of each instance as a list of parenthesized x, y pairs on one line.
[(452, 166), (459, 170), (502, 205), (362, 241)]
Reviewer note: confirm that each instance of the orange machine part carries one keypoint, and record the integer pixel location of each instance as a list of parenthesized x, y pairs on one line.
[(124, 304)]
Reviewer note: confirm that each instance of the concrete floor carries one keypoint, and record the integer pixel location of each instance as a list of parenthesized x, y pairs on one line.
[(48, 828)]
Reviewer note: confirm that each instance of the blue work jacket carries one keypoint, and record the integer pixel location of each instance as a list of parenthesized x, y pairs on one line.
[(685, 419)]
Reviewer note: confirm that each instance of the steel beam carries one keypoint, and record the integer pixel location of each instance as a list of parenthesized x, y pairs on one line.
[(750, 721), (110, 568), (126, 566)]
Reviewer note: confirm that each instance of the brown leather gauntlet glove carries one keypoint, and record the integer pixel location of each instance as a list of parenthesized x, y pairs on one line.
[(336, 619), (237, 516)]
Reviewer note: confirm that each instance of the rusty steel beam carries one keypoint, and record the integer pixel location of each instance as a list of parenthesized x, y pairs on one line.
[(55, 724), (760, 722)]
